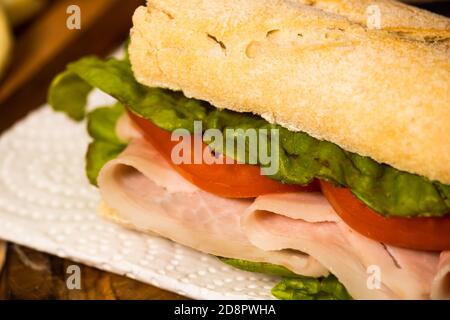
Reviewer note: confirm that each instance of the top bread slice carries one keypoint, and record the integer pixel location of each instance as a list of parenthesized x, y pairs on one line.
[(312, 66)]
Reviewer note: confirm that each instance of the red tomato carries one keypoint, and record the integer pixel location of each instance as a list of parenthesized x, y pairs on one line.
[(227, 180), (432, 234)]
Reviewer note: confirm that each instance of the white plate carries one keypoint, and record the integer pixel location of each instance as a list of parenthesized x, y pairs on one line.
[(47, 203)]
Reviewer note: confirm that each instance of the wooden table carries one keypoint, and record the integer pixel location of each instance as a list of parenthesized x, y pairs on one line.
[(29, 274)]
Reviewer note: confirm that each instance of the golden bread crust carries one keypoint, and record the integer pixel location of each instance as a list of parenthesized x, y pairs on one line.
[(379, 93)]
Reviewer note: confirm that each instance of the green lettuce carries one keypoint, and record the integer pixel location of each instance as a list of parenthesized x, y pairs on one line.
[(307, 288), (302, 158), (260, 267), (294, 286), (106, 145), (98, 154), (69, 94)]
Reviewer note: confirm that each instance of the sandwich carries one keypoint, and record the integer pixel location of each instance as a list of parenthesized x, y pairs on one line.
[(284, 137)]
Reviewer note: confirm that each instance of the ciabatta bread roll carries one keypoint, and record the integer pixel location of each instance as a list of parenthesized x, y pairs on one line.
[(318, 69), (394, 14)]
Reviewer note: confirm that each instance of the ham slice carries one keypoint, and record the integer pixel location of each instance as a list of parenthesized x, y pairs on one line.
[(142, 189), (299, 231), (403, 274), (441, 283)]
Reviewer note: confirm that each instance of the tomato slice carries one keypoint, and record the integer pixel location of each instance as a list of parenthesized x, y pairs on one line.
[(423, 233), (226, 180)]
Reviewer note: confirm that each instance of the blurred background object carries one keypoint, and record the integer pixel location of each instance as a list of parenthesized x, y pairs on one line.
[(5, 41), (45, 44), (19, 11), (2, 254)]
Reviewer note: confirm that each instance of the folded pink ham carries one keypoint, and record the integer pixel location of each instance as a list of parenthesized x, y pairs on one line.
[(141, 188)]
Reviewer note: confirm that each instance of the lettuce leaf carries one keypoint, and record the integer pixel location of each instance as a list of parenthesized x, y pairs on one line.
[(301, 158), (294, 286), (260, 267), (102, 122), (307, 288), (106, 145), (98, 154), (68, 93)]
